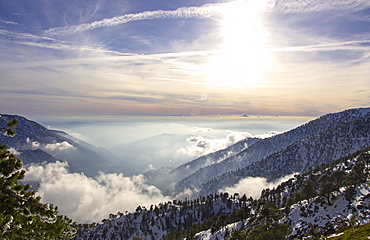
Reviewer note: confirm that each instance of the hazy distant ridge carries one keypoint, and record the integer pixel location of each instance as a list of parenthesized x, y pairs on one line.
[(38, 144)]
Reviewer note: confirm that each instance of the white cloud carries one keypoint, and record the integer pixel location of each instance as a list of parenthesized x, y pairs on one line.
[(63, 146), (207, 10), (267, 135), (200, 145), (8, 22), (212, 10), (34, 144), (150, 167), (349, 45), (14, 151), (292, 6), (87, 199), (252, 186), (76, 135), (202, 130)]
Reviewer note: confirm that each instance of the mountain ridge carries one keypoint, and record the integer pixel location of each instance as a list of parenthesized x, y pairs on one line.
[(224, 214), (267, 147), (31, 136)]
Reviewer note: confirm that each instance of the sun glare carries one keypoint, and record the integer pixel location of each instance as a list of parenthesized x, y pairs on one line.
[(243, 56)]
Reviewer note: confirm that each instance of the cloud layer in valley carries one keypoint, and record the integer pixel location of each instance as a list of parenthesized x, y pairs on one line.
[(201, 145), (58, 146), (87, 199), (252, 186)]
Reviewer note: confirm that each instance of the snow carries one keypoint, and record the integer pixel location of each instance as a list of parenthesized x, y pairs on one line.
[(304, 213), (335, 235), (219, 234)]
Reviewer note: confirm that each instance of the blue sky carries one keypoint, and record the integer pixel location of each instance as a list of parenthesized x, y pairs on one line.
[(285, 57)]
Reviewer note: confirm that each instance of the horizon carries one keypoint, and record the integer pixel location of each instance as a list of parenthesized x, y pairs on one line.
[(209, 57), (118, 74)]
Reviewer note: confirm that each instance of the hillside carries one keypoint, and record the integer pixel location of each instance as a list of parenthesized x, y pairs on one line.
[(326, 138), (37, 144), (318, 202)]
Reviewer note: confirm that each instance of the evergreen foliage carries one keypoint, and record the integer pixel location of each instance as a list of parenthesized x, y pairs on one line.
[(355, 233), (22, 215), (263, 225), (318, 185), (265, 218)]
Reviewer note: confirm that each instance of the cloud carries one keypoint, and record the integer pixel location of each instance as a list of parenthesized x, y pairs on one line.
[(8, 22), (267, 135), (294, 6), (208, 10), (200, 145), (202, 130), (87, 199), (34, 144), (350, 45), (252, 186), (14, 151), (213, 10), (63, 146)]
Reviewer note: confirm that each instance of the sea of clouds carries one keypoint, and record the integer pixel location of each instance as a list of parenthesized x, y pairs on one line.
[(87, 199), (92, 199)]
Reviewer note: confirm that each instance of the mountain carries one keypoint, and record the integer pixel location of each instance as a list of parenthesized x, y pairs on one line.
[(37, 144), (156, 151), (320, 201), (166, 179), (189, 168), (326, 138), (155, 177)]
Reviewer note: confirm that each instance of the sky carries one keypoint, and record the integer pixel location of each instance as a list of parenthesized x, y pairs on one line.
[(142, 57)]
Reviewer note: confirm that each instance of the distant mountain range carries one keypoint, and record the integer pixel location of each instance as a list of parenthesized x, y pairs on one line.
[(323, 139), (37, 144)]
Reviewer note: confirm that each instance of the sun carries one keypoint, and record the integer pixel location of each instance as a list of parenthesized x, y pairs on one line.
[(243, 56)]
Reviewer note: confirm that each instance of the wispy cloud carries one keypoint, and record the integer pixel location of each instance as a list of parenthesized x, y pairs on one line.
[(213, 10), (8, 22), (350, 45), (294, 6), (208, 10)]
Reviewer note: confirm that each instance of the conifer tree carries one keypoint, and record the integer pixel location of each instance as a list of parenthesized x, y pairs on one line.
[(22, 215)]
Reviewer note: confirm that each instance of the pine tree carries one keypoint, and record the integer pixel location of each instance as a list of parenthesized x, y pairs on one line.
[(308, 189), (22, 215)]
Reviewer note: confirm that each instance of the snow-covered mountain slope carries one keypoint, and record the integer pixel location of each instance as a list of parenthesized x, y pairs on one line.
[(261, 153), (189, 168), (318, 202), (38, 144), (326, 218), (339, 195), (158, 221), (299, 157), (310, 216)]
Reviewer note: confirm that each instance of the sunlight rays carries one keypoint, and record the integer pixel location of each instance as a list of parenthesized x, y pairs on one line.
[(244, 56)]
